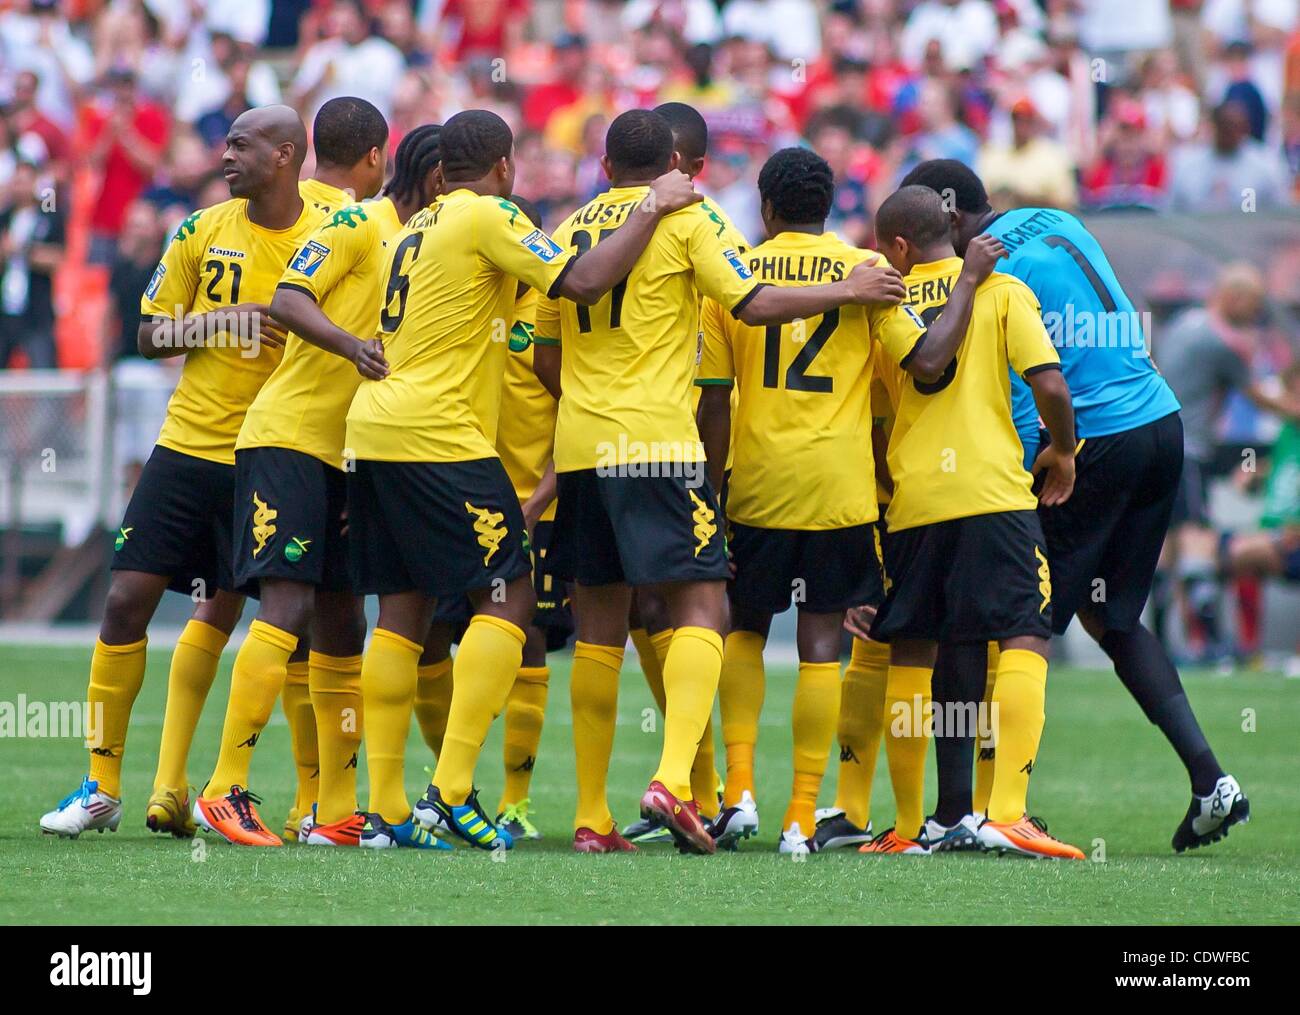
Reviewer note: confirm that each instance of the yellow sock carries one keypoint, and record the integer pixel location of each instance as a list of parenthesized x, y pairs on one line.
[(116, 675), (525, 712), (1019, 697), (816, 712), (691, 673), (296, 700), (740, 699), (593, 692), (388, 679), (433, 702), (650, 650), (335, 683), (984, 753), (193, 669), (704, 773), (862, 721), (260, 670), (907, 738), (484, 672)]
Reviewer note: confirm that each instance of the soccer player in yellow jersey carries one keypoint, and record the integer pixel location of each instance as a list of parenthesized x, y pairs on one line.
[(651, 633), (207, 301), (801, 498), (290, 488), (636, 507), (524, 438), (968, 562), (431, 511)]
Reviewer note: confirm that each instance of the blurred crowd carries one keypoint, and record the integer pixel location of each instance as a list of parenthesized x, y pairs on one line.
[(119, 108)]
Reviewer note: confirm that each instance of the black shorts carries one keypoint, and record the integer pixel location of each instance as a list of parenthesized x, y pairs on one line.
[(289, 520), (178, 523), (441, 528), (553, 615), (1192, 499), (1105, 541), (982, 578), (824, 571), (638, 530)]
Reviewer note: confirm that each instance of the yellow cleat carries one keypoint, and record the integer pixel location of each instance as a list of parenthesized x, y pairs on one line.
[(169, 811)]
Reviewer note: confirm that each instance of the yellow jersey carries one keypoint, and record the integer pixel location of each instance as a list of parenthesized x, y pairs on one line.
[(324, 197), (887, 380), (801, 431), (218, 258), (954, 451), (304, 403), (526, 426), (446, 309), (629, 361)]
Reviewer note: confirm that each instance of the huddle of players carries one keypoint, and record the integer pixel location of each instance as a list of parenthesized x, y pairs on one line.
[(383, 466)]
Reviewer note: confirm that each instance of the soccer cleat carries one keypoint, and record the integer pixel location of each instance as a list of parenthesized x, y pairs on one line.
[(169, 811), (736, 823), (298, 824), (794, 842), (680, 817), (514, 819), (1026, 837), (889, 842), (338, 833), (835, 831), (84, 810), (1209, 817), (234, 817), (963, 837), (587, 841), (376, 833), (467, 821), (647, 832)]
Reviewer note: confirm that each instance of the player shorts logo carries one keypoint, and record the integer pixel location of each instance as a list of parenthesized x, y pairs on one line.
[(703, 517), (488, 529), (296, 549), (1044, 579), (263, 517), (122, 536), (521, 336), (155, 283), (886, 582), (541, 245), (741, 269), (309, 258)]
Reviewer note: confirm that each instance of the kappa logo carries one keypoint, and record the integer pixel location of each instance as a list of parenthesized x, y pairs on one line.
[(542, 245), (309, 258), (122, 536), (489, 529), (705, 525), (1028, 767), (250, 742), (846, 754), (263, 518), (352, 762), (886, 582), (1044, 579), (527, 764)]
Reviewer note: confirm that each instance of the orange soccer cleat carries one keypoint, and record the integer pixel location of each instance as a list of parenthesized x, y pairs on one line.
[(1026, 837), (890, 843), (234, 817), (339, 833)]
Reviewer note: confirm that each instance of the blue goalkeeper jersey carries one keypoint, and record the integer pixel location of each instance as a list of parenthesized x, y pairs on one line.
[(1093, 324)]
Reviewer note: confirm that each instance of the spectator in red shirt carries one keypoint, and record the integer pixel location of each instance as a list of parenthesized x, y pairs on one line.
[(127, 139), (1131, 172), (565, 86), (28, 119), (488, 28)]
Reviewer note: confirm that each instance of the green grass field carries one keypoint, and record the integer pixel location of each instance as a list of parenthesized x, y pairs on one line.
[(1105, 780)]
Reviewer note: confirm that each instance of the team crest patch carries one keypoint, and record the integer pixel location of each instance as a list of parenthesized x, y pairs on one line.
[(159, 273), (541, 245), (737, 264), (296, 549), (310, 258)]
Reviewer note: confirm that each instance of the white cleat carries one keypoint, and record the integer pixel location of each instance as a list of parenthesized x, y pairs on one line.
[(963, 837), (736, 823), (1209, 817), (86, 810), (794, 842)]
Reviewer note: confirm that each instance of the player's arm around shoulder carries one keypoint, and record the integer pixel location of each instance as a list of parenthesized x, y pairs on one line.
[(170, 327)]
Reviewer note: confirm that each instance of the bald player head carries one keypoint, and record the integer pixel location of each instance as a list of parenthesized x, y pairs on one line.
[(264, 147)]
